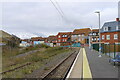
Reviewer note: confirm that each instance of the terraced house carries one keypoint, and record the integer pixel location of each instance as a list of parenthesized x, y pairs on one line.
[(110, 32), (81, 36), (37, 40), (51, 41), (64, 38), (94, 36), (110, 36)]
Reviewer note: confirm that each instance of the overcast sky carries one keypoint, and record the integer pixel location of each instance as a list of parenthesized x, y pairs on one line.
[(28, 19)]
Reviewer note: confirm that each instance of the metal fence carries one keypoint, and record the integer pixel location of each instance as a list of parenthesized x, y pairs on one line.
[(108, 49)]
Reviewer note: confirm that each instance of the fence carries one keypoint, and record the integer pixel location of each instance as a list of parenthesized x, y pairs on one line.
[(108, 49)]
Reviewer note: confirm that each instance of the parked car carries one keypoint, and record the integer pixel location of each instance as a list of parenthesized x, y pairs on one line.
[(115, 60)]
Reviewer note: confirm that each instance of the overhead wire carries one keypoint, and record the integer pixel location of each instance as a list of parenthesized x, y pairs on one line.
[(59, 7), (60, 11), (56, 8)]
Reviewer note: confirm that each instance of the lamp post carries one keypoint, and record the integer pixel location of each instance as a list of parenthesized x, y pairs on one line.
[(98, 12)]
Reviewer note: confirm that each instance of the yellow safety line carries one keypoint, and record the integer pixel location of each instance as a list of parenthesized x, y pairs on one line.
[(86, 68)]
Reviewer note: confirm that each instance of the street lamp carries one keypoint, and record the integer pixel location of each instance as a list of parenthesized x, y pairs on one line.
[(98, 12)]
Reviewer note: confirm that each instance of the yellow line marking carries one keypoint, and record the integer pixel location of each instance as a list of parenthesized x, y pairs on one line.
[(86, 68)]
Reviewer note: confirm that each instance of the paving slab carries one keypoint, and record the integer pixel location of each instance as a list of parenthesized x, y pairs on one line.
[(100, 67), (76, 69)]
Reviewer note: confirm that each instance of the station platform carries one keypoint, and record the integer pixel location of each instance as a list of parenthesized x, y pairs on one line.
[(88, 66)]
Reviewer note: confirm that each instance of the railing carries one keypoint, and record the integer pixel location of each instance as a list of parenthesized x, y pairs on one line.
[(108, 49), (111, 49)]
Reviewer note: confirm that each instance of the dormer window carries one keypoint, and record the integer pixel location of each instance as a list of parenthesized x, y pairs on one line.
[(117, 27), (107, 28)]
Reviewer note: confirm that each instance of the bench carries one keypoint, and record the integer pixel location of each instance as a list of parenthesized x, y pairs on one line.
[(115, 60)]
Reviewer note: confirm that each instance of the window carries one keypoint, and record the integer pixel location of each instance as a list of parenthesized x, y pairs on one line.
[(78, 39), (108, 37), (103, 37), (90, 34), (98, 38), (59, 40), (82, 34), (94, 34), (64, 36), (92, 39), (75, 35), (95, 39), (117, 27), (107, 28), (65, 40), (115, 36), (59, 36)]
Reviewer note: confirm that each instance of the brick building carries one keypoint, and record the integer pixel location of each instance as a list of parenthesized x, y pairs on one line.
[(64, 38), (37, 40), (51, 41), (94, 36), (81, 35), (110, 32)]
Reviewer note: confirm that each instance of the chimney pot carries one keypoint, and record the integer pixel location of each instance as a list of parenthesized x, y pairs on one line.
[(117, 19)]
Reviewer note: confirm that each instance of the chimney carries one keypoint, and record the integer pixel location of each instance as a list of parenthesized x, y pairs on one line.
[(117, 19)]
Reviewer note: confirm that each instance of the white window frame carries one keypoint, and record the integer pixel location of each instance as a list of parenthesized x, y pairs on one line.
[(98, 38), (92, 39), (105, 28), (117, 27), (65, 35), (103, 37), (95, 39), (59, 40), (115, 36), (94, 34), (59, 36), (108, 37)]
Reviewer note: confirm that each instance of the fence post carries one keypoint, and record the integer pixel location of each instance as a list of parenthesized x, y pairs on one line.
[(103, 49), (109, 50), (114, 50)]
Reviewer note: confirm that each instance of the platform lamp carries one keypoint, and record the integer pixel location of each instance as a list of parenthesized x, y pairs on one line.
[(98, 12)]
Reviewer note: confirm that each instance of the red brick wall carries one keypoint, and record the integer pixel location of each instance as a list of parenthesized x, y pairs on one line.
[(61, 38), (118, 36), (112, 40)]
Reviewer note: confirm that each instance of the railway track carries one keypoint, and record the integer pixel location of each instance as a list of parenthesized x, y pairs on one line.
[(61, 70)]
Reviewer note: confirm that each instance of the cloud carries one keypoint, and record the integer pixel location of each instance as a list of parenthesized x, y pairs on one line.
[(60, 0), (42, 19)]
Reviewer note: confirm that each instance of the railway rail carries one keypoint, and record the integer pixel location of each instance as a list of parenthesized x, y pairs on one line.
[(61, 70)]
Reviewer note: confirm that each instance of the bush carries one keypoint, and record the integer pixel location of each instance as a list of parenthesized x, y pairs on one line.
[(44, 46), (35, 58)]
